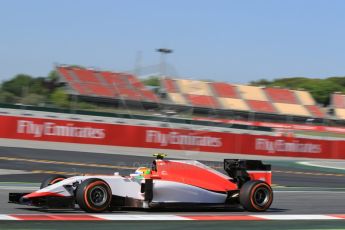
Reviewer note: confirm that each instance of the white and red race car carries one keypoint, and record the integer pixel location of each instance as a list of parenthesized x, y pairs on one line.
[(168, 184)]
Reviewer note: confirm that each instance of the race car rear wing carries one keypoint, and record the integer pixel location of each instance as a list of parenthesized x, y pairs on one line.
[(244, 170)]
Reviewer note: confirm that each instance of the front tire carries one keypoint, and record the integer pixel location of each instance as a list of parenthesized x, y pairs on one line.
[(256, 196), (52, 179), (93, 195)]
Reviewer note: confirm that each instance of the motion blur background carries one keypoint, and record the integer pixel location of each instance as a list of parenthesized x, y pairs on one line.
[(97, 86)]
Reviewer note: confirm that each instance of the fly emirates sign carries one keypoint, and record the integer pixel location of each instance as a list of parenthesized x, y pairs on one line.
[(52, 129), (176, 138), (273, 146)]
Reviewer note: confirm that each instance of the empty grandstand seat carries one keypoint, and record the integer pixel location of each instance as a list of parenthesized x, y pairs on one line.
[(64, 72), (340, 113), (261, 106), (100, 90), (106, 84), (149, 95), (304, 97), (79, 87), (233, 103), (194, 87), (338, 100), (169, 85), (134, 82), (224, 90), (281, 95), (202, 101), (251, 92), (85, 75), (315, 111), (130, 94), (292, 109), (114, 79), (177, 98)]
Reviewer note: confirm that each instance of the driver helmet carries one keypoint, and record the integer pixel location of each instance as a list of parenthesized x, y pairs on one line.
[(143, 171)]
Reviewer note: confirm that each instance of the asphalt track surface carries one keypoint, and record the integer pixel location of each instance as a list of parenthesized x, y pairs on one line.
[(297, 189)]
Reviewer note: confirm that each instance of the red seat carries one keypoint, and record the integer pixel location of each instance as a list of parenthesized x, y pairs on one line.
[(315, 111), (134, 82), (106, 84), (115, 79), (85, 75), (100, 90), (149, 95), (281, 95), (224, 90), (126, 93), (202, 101), (64, 72), (261, 106), (338, 101), (79, 88), (169, 85)]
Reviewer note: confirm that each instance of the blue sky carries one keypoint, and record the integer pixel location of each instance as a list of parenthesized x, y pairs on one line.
[(233, 41)]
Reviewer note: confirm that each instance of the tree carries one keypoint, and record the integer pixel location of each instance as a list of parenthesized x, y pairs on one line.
[(17, 85), (60, 98), (7, 97), (33, 99), (53, 76), (152, 81), (22, 85)]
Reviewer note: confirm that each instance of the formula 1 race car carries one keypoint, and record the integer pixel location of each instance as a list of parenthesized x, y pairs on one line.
[(168, 184)]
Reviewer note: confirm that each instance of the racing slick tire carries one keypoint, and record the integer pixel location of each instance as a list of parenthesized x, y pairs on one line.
[(52, 179), (256, 196), (93, 195)]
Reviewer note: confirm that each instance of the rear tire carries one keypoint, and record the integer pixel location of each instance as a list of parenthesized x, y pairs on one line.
[(256, 196), (93, 195), (52, 179)]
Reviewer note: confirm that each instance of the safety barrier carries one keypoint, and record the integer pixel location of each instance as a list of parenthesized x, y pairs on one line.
[(306, 127), (44, 129)]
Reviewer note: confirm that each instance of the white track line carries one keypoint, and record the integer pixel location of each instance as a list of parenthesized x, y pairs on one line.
[(140, 217), (319, 166), (297, 217), (167, 217), (7, 217)]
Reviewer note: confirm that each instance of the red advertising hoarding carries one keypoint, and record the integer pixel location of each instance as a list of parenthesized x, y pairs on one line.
[(42, 129)]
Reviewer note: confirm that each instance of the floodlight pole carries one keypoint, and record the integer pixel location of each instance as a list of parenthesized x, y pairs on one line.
[(164, 52)]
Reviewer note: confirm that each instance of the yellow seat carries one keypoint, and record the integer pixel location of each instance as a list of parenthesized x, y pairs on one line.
[(304, 97), (249, 92), (292, 109), (232, 103), (194, 87), (340, 113), (177, 98)]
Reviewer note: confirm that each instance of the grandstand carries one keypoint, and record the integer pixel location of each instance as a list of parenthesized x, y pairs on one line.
[(224, 96), (223, 99), (105, 84)]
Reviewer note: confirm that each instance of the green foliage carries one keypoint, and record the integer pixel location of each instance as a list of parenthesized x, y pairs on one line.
[(60, 98), (320, 89), (338, 80), (152, 81), (17, 85), (260, 82), (7, 97), (53, 75), (22, 85), (33, 99)]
